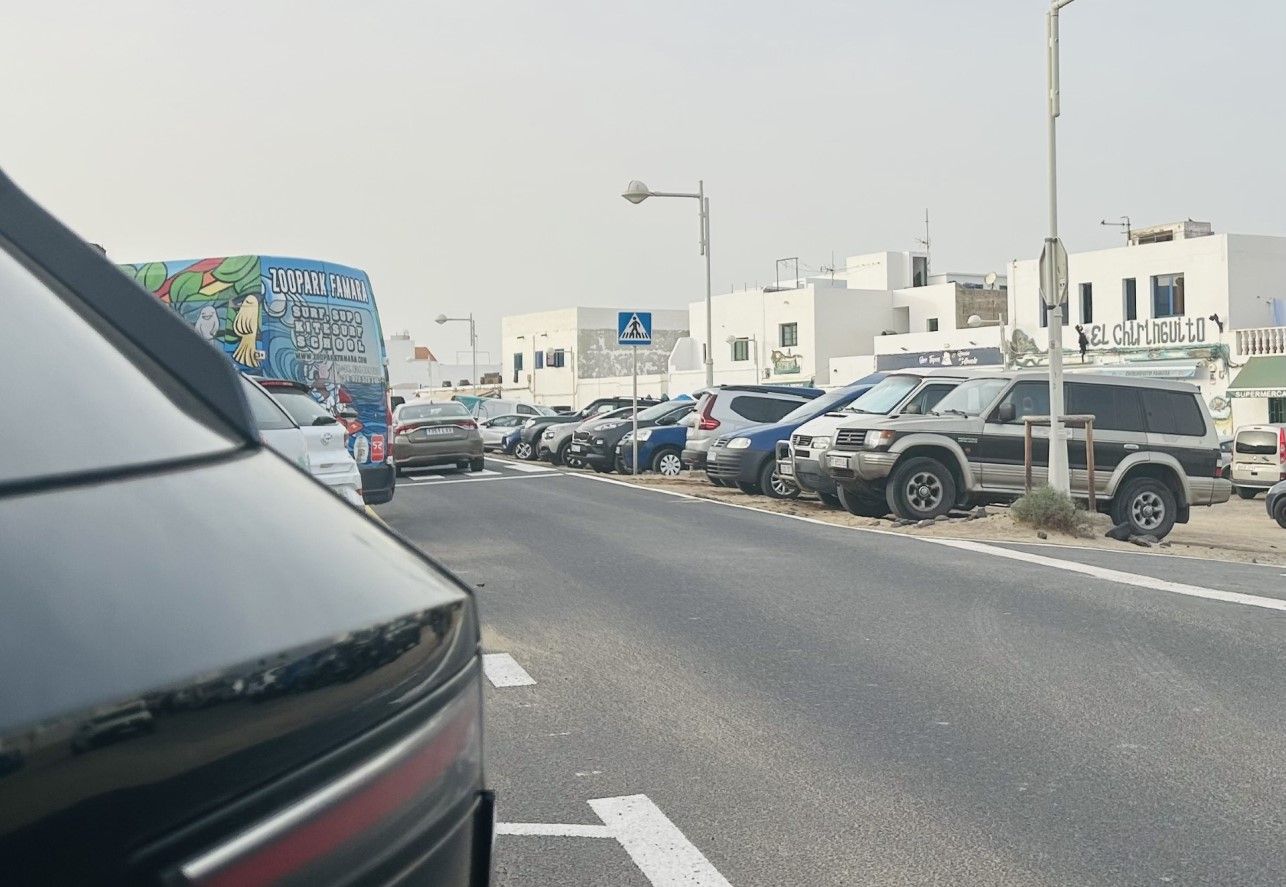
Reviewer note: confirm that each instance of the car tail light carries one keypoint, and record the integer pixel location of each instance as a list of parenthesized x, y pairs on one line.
[(467, 424), (322, 837), (707, 422), (1281, 444)]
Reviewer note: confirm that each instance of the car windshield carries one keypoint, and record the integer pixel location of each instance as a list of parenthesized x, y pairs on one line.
[(970, 398), (415, 412), (886, 395), (301, 406), (656, 411), (827, 402)]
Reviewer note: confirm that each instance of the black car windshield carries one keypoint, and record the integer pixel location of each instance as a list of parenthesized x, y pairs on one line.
[(58, 365), (832, 400), (301, 406), (970, 398), (415, 412), (886, 395)]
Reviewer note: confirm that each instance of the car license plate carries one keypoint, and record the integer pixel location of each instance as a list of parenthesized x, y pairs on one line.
[(577, 448), (786, 469), (837, 461)]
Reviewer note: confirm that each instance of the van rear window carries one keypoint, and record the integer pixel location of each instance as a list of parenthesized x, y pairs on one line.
[(1257, 443), (1173, 412)]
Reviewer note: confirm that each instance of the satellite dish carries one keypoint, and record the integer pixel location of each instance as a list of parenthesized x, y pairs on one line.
[(974, 320), (990, 280)]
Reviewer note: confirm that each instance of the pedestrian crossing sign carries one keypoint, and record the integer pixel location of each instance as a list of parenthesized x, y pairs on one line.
[(634, 328)]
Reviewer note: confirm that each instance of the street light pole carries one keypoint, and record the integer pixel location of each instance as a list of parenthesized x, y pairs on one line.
[(1059, 476), (636, 192), (473, 340)]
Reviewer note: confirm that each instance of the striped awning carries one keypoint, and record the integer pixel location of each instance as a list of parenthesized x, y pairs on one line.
[(1260, 377), (1153, 369)]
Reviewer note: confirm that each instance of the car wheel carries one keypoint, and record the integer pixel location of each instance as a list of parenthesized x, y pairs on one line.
[(619, 465), (748, 488), (477, 464), (1279, 513), (561, 455), (601, 469), (921, 489), (668, 463), (1147, 505), (857, 504), (774, 485), (522, 450), (461, 466), (1246, 492)]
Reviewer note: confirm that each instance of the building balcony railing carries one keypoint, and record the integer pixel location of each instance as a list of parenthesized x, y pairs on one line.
[(1261, 340)]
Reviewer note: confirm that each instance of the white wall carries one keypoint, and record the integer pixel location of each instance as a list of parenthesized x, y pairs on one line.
[(844, 370), (1256, 276), (879, 271), (924, 302)]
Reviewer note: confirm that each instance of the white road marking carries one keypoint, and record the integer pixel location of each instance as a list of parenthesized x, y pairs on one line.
[(554, 829), (1110, 575), (534, 469), (481, 480), (663, 854), (504, 671), (658, 848)]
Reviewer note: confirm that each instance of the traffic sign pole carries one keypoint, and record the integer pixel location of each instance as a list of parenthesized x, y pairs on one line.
[(634, 329), (634, 438)]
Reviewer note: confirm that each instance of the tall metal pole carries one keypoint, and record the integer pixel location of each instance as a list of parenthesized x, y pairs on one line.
[(1059, 477), (473, 343), (634, 438), (705, 249)]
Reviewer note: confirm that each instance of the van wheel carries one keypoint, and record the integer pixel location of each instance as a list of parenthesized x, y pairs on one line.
[(774, 485), (830, 500), (1147, 505), (668, 463), (1246, 492), (921, 489), (861, 506)]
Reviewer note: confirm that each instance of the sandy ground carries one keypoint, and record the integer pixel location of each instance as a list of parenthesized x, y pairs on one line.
[(1237, 530)]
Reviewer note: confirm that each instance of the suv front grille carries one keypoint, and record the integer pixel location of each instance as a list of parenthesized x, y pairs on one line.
[(850, 438), (582, 436), (802, 440), (718, 443)]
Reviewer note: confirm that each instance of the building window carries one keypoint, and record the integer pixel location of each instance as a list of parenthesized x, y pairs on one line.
[(1087, 303), (517, 365), (1044, 313), (919, 271), (557, 359), (931, 324), (1130, 293), (789, 334), (1167, 295), (1277, 409), (540, 360), (741, 349)]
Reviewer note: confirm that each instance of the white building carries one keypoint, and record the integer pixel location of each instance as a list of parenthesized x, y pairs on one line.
[(1180, 302), (569, 356), (413, 367)]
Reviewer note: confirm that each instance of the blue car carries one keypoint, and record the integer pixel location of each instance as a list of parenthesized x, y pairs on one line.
[(660, 450), (748, 457), (1276, 502), (510, 441)]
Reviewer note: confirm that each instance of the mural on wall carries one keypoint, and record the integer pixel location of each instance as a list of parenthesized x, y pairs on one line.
[(308, 321), (599, 357), (1136, 344), (951, 357), (786, 364)]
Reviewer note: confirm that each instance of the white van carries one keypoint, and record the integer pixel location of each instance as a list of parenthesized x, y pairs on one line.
[(1258, 458)]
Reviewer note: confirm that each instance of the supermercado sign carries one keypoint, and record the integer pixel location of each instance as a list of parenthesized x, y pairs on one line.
[(1146, 333)]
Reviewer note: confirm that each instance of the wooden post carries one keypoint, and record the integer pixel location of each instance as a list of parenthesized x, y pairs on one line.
[(1027, 455), (1089, 464)]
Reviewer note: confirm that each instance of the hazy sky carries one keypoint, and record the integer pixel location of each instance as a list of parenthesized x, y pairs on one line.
[(470, 155)]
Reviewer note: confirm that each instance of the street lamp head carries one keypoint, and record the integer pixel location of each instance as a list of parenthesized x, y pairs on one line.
[(440, 319), (731, 340), (636, 192)]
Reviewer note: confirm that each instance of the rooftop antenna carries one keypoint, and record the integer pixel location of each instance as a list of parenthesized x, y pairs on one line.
[(777, 271), (925, 243), (1124, 225)]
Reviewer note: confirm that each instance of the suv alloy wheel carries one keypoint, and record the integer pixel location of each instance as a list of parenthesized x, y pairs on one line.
[(1147, 505), (522, 450), (774, 485), (921, 489)]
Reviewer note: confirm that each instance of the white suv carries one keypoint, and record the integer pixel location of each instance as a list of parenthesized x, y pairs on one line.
[(733, 407)]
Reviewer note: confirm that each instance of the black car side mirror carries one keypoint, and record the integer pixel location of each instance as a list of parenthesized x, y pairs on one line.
[(1005, 413)]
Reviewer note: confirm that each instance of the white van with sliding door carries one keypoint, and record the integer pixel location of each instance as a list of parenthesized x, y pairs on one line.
[(1258, 458)]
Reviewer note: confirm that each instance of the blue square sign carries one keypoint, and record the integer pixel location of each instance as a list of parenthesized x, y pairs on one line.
[(634, 328)]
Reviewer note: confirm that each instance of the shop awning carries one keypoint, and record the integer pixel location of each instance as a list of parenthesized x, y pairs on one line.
[(1260, 377), (1155, 369)]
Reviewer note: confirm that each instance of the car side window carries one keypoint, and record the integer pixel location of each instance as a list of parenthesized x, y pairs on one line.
[(267, 415), (1173, 412), (1028, 399), (761, 409), (525, 410), (1114, 407), (927, 399)]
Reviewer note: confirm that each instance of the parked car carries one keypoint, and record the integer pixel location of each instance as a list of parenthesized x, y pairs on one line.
[(1156, 451), (733, 407), (329, 459), (113, 723), (1258, 458), (528, 445), (1225, 457), (179, 545), (596, 442), (555, 441), (660, 449), (436, 434), (492, 407), (1275, 502), (509, 443), (908, 392), (747, 458), (495, 430)]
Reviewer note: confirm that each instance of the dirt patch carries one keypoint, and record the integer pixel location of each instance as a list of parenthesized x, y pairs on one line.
[(1237, 530)]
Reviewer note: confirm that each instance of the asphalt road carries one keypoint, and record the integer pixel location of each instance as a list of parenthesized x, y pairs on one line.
[(815, 705)]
